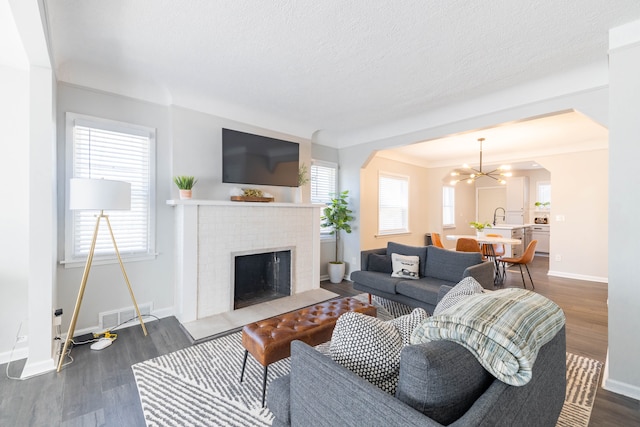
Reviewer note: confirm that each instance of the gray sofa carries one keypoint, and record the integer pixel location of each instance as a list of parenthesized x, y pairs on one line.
[(438, 267), (441, 383)]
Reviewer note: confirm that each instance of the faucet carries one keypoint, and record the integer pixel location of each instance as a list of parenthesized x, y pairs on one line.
[(495, 215)]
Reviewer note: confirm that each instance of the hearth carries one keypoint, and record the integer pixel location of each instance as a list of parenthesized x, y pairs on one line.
[(261, 277)]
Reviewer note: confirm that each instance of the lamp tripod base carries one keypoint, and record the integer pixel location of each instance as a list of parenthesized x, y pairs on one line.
[(83, 285)]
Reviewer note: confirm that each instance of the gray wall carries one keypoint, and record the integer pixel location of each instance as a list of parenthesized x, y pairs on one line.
[(188, 143)]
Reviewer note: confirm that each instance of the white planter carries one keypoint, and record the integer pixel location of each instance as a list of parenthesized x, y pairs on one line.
[(480, 234), (336, 272), (185, 194)]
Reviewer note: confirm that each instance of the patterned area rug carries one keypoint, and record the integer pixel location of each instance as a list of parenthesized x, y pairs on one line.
[(199, 385)]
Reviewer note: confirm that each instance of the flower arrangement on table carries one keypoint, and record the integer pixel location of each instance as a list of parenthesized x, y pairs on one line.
[(480, 226)]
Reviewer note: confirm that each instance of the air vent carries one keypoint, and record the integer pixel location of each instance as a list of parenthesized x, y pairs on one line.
[(125, 316)]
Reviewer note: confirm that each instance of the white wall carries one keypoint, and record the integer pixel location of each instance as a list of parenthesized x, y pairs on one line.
[(197, 150), (14, 221), (579, 185), (622, 374)]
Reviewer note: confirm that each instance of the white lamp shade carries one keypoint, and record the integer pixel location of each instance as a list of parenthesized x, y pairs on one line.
[(99, 194)]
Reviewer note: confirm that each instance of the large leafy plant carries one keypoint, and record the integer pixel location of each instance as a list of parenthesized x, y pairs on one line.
[(337, 216)]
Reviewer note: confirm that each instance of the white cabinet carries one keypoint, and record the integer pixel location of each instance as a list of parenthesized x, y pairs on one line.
[(510, 233), (541, 234), (517, 200)]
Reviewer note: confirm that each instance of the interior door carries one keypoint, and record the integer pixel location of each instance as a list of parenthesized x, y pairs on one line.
[(487, 200)]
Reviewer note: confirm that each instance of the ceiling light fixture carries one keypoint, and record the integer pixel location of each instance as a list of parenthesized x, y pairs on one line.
[(469, 174)]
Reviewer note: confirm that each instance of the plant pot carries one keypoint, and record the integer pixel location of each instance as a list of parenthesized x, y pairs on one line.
[(480, 234), (336, 272), (185, 194), (297, 195)]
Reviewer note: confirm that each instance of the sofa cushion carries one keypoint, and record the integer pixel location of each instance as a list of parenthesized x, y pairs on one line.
[(371, 347), (376, 280), (449, 265), (380, 263), (464, 289), (425, 289), (442, 380), (419, 251), (405, 266)]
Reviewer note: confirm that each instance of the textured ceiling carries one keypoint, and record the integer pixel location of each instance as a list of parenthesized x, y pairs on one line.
[(329, 65)]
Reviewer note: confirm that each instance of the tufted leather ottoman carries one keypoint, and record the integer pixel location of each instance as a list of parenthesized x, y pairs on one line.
[(269, 340)]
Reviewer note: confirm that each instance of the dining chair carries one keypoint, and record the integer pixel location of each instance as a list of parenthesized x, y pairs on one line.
[(525, 259), (436, 240), (498, 248), (467, 244)]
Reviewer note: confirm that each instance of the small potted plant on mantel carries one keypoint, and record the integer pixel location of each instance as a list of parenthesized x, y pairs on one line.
[(303, 179), (185, 184), (337, 216), (480, 226)]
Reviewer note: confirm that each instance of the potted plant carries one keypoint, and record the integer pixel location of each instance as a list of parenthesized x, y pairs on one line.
[(337, 216), (543, 205), (480, 226), (185, 184), (303, 179)]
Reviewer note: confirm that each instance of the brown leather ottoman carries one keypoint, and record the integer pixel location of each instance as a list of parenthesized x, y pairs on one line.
[(269, 340)]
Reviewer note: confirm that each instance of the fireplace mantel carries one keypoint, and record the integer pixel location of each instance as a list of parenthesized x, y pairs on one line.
[(208, 232)]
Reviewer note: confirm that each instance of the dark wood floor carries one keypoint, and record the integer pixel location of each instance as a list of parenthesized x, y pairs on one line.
[(98, 388)]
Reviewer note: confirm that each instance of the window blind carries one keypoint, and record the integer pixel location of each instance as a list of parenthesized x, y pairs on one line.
[(103, 150), (323, 177), (448, 206), (393, 204)]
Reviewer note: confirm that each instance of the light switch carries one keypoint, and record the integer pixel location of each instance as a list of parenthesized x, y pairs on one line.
[(560, 218)]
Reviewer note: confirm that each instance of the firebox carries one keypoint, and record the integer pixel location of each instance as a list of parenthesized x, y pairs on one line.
[(261, 277)]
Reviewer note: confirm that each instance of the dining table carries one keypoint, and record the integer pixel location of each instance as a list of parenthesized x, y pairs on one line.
[(486, 247)]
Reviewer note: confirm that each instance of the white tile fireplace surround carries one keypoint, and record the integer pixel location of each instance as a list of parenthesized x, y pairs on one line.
[(209, 233)]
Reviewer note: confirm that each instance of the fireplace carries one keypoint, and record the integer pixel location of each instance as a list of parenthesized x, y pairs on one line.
[(261, 277)]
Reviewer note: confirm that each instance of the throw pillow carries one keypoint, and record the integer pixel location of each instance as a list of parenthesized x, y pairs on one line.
[(465, 288), (380, 263), (405, 266), (371, 347), (399, 248)]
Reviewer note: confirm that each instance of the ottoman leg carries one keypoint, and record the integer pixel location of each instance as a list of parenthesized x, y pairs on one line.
[(264, 384), (244, 364)]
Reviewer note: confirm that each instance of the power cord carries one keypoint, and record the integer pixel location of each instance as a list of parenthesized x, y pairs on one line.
[(68, 354), (106, 333)]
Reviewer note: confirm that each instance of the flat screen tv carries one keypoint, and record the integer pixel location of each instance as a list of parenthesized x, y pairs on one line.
[(255, 159)]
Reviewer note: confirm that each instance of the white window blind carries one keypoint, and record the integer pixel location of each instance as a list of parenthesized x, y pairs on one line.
[(448, 206), (393, 204), (117, 151), (323, 185)]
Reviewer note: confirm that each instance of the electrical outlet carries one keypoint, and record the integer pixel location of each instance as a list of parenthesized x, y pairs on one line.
[(558, 257), (21, 338)]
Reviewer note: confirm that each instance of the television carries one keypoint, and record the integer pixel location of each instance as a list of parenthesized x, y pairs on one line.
[(255, 159)]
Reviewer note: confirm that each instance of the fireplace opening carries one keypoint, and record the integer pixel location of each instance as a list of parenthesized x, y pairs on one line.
[(261, 277)]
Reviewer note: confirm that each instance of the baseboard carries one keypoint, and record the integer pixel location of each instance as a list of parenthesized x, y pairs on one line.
[(18, 353), (578, 276), (618, 387), (160, 314)]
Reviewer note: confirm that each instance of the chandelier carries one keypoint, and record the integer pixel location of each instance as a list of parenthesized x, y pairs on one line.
[(469, 174)]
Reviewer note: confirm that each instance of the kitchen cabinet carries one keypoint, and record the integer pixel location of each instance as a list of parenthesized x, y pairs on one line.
[(541, 233), (517, 200), (510, 232)]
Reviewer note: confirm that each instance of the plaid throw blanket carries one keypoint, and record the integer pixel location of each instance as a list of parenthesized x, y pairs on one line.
[(503, 329)]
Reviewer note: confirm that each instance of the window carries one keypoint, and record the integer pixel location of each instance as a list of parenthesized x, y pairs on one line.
[(448, 206), (98, 148), (544, 194), (323, 186), (393, 204)]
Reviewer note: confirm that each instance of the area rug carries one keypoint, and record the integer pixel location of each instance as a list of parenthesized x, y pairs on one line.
[(199, 386)]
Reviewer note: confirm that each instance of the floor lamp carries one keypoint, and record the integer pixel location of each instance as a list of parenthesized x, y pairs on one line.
[(99, 195)]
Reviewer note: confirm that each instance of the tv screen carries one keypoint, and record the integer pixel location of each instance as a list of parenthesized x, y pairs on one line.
[(255, 159)]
